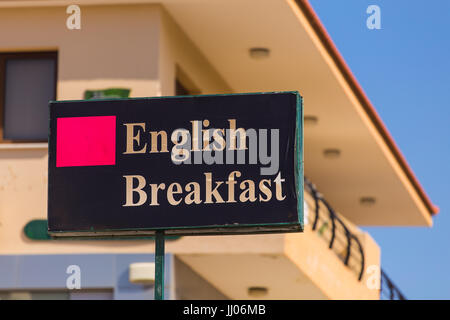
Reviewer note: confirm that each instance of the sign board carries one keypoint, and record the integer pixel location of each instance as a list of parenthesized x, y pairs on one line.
[(188, 165)]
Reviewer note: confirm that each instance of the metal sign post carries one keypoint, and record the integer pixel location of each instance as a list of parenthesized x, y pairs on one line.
[(159, 265)]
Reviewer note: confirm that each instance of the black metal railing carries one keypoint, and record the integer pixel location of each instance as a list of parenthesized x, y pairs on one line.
[(340, 239), (346, 244), (388, 290)]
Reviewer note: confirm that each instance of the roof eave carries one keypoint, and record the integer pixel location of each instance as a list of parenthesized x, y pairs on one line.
[(328, 44)]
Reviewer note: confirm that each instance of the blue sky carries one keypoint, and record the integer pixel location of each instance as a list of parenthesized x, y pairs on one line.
[(404, 69)]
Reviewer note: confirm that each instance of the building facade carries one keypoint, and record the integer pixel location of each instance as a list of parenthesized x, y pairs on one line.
[(356, 176)]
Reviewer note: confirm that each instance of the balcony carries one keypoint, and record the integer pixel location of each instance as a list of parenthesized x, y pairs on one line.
[(342, 240), (328, 261), (340, 236)]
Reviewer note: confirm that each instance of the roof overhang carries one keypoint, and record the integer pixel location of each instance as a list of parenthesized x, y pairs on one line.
[(304, 58)]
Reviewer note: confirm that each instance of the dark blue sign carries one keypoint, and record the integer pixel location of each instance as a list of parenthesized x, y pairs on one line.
[(211, 164)]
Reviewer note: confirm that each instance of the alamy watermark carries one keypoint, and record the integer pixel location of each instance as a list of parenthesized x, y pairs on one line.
[(374, 277), (204, 145), (73, 281), (374, 20), (73, 22)]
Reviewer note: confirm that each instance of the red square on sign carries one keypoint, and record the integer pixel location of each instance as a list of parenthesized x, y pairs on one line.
[(86, 141)]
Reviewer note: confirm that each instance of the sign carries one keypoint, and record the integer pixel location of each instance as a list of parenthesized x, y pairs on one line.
[(211, 164)]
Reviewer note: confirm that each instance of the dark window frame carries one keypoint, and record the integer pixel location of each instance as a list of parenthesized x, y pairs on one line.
[(4, 56)]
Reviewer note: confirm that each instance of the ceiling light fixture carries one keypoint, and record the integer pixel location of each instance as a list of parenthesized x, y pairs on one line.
[(259, 53), (309, 120), (367, 201), (331, 153), (257, 292)]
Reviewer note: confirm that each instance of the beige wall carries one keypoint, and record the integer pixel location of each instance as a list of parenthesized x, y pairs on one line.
[(100, 55), (328, 273), (177, 50), (136, 46)]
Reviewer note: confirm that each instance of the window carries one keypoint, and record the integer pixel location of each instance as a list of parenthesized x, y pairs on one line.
[(27, 83)]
